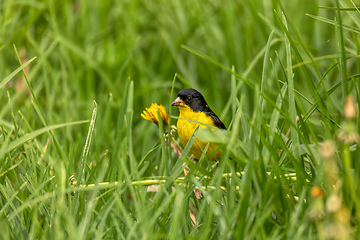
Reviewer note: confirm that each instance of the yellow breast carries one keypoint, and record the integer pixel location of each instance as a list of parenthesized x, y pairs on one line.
[(186, 129)]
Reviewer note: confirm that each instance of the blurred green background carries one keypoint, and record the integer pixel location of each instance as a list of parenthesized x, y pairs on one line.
[(86, 50), (95, 50)]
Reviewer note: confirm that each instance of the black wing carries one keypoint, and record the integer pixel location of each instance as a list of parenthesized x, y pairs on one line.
[(216, 120)]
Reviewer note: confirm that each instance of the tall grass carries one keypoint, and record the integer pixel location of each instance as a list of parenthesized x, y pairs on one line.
[(78, 161)]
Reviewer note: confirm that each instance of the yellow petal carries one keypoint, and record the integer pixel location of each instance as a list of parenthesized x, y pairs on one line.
[(151, 114)]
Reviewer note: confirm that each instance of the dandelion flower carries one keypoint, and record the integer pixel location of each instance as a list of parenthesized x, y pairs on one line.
[(152, 115)]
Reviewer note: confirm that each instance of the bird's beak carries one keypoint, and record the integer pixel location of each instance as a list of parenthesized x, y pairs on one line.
[(177, 102)]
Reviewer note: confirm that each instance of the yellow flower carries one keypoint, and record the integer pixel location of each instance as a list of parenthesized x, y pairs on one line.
[(151, 114), (317, 192)]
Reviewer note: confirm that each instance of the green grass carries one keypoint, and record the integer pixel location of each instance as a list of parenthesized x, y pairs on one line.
[(78, 162)]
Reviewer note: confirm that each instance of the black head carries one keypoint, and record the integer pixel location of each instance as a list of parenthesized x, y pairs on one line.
[(193, 99)]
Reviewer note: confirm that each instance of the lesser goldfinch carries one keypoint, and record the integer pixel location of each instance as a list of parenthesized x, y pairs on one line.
[(194, 112)]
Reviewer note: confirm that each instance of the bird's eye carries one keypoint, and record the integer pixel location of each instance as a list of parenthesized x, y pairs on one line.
[(189, 98)]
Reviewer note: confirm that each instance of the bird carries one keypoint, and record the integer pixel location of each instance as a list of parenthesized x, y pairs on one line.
[(195, 112)]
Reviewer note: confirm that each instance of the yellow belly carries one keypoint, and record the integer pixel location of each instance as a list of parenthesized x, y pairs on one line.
[(186, 129)]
